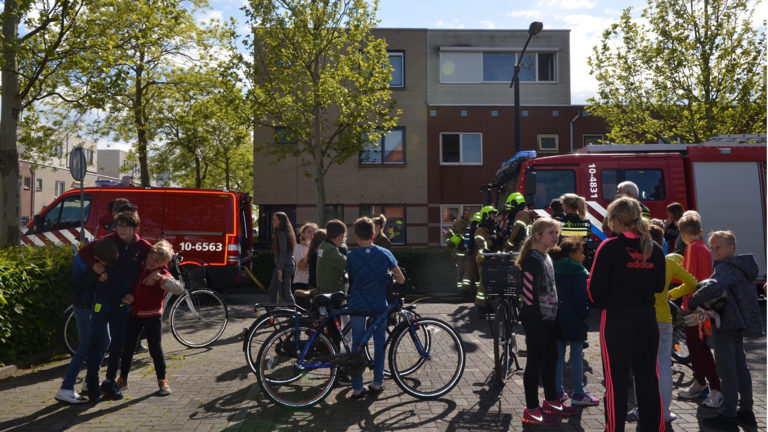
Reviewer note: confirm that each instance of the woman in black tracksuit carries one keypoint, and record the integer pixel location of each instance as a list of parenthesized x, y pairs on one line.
[(627, 271)]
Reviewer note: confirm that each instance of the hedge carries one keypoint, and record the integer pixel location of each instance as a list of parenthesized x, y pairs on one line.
[(34, 292), (427, 267)]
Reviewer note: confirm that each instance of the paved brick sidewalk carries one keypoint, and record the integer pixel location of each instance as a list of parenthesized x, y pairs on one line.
[(214, 390)]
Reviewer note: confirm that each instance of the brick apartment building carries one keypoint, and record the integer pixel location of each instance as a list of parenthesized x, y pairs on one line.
[(457, 127)]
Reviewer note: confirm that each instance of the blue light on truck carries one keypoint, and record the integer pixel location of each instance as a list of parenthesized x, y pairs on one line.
[(520, 156)]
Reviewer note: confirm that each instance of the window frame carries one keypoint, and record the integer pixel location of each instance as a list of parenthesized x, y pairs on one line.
[(461, 149), (401, 54), (621, 175), (27, 182), (539, 147), (383, 210), (381, 145), (561, 173), (38, 184), (481, 78), (59, 185), (591, 135), (446, 225), (276, 132)]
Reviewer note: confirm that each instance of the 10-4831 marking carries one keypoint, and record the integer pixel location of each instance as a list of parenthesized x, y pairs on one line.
[(592, 181), (200, 246)]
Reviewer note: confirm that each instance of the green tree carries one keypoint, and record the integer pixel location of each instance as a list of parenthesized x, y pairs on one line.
[(688, 71), (143, 44), (33, 66), (318, 72)]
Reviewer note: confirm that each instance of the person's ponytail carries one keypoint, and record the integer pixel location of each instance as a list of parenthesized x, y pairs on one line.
[(646, 241)]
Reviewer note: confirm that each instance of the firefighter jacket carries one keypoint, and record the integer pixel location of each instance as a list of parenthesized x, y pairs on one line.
[(573, 226), (484, 243), (519, 231)]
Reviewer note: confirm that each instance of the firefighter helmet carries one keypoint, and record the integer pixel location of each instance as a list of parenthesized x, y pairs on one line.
[(486, 211), (476, 217), (454, 241), (515, 201)]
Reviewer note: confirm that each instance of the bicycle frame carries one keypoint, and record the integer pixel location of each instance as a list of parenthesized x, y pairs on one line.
[(332, 314)]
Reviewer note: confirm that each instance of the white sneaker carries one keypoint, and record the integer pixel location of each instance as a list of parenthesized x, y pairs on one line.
[(84, 390), (715, 399), (70, 397), (672, 417), (695, 391)]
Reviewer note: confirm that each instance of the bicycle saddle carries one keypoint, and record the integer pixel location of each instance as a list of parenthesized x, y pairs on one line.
[(305, 293), (334, 300)]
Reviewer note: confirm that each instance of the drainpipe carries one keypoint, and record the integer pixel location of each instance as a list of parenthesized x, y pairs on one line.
[(571, 127)]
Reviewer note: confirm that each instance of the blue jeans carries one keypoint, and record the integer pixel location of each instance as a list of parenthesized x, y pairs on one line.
[(83, 321), (577, 366), (379, 337), (116, 317)]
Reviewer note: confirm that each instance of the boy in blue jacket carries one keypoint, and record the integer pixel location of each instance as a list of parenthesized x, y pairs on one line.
[(734, 278)]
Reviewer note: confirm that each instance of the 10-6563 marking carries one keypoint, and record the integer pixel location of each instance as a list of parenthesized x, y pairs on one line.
[(201, 246)]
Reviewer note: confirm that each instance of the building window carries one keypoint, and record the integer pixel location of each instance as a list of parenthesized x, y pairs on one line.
[(395, 227), (366, 210), (333, 211), (461, 148), (57, 150), (650, 183), (448, 214), (59, 188), (388, 150), (38, 184), (548, 143), (89, 156), (592, 139), (283, 136), (27, 182), (493, 66), (397, 61)]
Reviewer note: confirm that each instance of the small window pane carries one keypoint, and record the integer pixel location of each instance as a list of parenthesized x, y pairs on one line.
[(528, 68), (448, 214), (546, 66), (498, 66), (650, 183), (366, 210), (396, 61), (394, 148), (472, 148), (451, 153), (592, 139), (395, 228), (333, 211), (608, 181), (371, 153), (551, 184)]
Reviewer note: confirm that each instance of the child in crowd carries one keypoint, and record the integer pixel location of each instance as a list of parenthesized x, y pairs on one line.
[(572, 312), (698, 262), (318, 238), (556, 205), (664, 322), (367, 267), (84, 281), (301, 280), (330, 259), (147, 311), (539, 317), (379, 237), (734, 276), (283, 243), (627, 271)]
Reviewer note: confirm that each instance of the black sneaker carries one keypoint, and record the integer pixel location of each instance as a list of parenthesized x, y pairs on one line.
[(110, 390), (374, 390), (746, 418), (722, 422), (363, 393)]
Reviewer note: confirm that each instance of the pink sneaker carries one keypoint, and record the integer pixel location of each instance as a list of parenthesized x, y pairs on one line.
[(537, 417), (584, 400), (558, 408)]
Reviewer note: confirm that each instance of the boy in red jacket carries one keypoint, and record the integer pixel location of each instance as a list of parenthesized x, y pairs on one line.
[(147, 311)]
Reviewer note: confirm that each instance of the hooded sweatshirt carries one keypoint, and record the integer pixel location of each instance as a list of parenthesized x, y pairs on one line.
[(735, 277), (573, 304)]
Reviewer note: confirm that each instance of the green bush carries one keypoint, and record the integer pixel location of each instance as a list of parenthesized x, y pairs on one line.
[(35, 289)]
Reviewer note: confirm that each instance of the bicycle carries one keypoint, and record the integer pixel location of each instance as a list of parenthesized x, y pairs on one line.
[(195, 306), (298, 365), (277, 316), (679, 346), (503, 281)]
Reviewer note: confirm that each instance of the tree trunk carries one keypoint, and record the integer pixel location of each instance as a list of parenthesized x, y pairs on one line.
[(198, 179), (141, 124), (226, 172), (317, 145), (9, 122)]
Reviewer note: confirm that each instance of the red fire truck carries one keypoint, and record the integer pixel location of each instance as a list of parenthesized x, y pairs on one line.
[(723, 179), (209, 226)]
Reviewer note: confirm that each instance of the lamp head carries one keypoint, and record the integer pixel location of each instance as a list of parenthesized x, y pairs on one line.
[(535, 28)]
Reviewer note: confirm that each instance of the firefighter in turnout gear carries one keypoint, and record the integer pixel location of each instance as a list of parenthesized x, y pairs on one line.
[(485, 242), (518, 222), (454, 240), (470, 277)]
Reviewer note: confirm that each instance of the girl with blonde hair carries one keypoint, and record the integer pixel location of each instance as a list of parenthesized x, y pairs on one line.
[(538, 314), (628, 270)]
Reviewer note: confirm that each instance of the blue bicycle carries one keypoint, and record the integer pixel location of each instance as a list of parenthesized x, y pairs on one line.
[(298, 365)]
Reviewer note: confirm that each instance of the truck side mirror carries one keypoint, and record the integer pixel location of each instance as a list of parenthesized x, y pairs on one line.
[(530, 188)]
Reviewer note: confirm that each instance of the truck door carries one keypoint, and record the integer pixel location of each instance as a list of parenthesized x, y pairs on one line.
[(62, 214)]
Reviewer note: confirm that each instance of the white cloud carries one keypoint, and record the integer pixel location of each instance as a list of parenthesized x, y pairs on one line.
[(586, 32), (557, 5), (211, 15), (527, 13), (487, 24), (453, 24)]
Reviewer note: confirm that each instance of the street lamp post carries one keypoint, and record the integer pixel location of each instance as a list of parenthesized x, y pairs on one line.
[(533, 30)]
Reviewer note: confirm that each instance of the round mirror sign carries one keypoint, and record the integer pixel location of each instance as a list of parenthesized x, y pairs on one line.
[(77, 163)]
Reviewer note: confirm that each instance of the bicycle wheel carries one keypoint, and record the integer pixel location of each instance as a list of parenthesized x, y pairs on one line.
[(442, 367), (418, 361), (279, 377), (71, 338), (501, 344), (262, 328), (679, 347), (198, 318)]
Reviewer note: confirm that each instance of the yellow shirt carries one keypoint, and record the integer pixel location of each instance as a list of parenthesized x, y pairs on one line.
[(673, 271)]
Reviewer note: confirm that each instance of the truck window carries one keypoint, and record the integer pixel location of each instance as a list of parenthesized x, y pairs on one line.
[(551, 184), (66, 213), (650, 182)]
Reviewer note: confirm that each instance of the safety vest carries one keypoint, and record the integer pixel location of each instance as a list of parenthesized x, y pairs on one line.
[(575, 227)]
